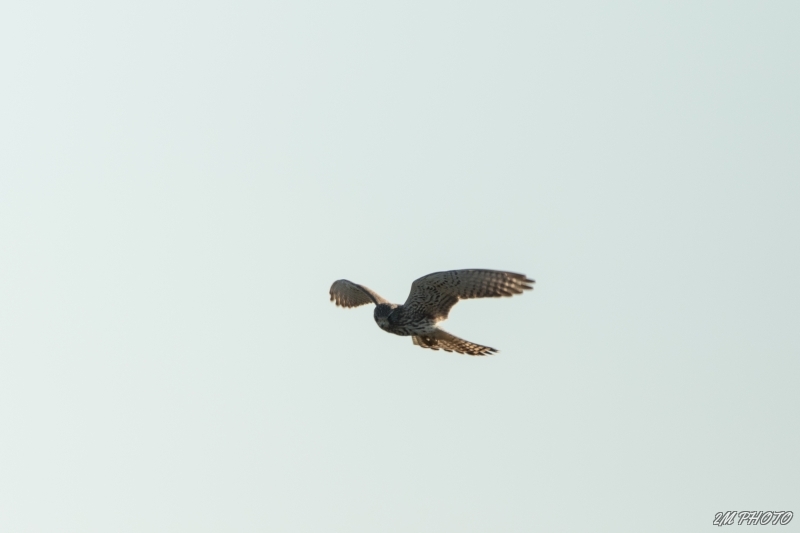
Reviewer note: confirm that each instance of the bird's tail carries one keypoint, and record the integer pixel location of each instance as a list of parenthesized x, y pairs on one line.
[(441, 340)]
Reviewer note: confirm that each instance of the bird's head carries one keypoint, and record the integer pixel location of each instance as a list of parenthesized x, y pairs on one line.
[(382, 313)]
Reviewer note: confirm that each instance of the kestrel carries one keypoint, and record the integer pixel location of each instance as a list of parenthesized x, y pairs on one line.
[(429, 303)]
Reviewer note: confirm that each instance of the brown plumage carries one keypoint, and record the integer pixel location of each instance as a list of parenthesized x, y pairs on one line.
[(429, 303)]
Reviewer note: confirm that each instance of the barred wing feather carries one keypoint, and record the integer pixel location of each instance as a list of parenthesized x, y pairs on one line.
[(435, 294), (348, 294)]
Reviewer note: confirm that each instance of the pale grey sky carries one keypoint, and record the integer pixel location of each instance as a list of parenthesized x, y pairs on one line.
[(181, 182)]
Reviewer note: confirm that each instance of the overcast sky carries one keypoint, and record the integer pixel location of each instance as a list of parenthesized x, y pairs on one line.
[(181, 182)]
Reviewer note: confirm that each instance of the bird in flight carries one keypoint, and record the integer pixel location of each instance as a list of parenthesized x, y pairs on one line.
[(429, 303)]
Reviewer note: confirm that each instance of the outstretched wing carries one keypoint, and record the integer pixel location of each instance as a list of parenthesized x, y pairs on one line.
[(441, 340), (349, 294), (435, 294)]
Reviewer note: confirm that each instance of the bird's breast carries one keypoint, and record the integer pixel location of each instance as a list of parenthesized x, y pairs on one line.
[(407, 327)]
